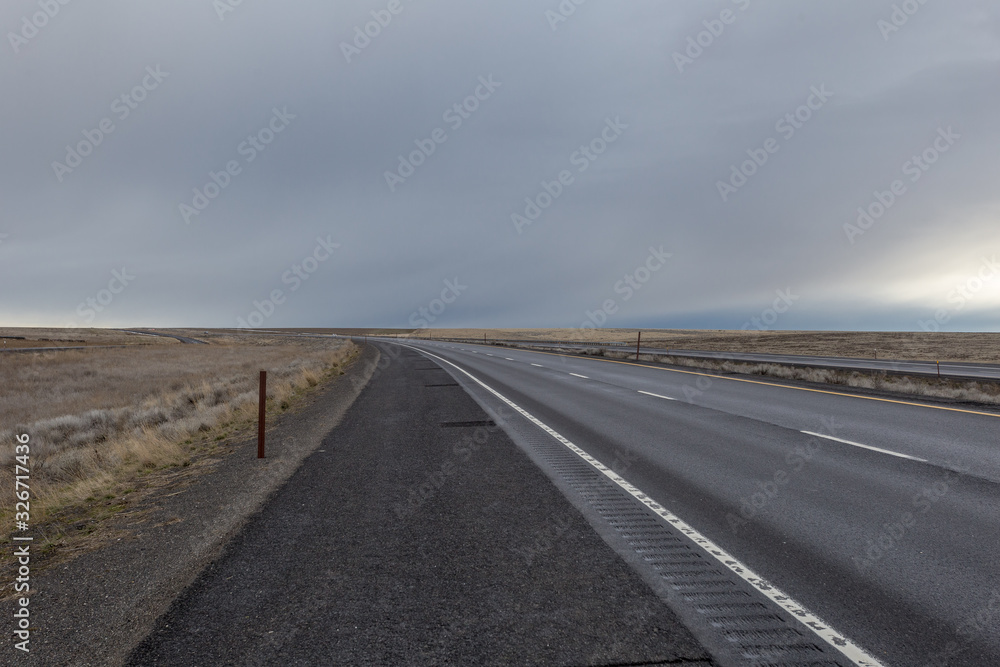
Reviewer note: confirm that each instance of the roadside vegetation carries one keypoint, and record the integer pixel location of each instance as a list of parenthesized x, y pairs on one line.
[(103, 422), (900, 345), (958, 390)]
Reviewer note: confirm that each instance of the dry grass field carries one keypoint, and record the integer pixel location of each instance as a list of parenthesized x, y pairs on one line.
[(16, 337), (99, 418), (976, 347)]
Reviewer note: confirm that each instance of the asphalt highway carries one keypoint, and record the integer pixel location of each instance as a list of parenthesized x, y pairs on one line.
[(877, 515), (183, 339)]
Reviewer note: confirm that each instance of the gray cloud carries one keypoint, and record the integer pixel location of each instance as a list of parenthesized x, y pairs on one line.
[(657, 184)]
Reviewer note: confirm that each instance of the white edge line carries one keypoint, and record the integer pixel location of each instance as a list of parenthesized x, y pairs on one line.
[(858, 444), (649, 393), (822, 629), (580, 376)]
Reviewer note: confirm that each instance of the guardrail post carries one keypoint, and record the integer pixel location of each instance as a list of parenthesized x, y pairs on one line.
[(261, 413)]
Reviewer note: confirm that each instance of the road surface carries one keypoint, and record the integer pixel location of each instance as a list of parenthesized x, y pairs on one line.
[(183, 339), (877, 515)]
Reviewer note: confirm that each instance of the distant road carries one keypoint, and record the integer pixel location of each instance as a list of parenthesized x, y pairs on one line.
[(61, 349), (183, 339), (952, 369)]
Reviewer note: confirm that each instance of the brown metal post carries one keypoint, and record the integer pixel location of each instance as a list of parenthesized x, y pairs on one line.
[(261, 413), (939, 369), (637, 341)]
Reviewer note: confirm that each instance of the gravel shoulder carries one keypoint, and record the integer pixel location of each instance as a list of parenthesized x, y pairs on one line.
[(95, 608)]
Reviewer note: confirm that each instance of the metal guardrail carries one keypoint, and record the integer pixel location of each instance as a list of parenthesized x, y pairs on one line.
[(887, 367)]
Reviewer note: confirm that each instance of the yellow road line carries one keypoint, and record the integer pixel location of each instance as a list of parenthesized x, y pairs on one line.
[(769, 384)]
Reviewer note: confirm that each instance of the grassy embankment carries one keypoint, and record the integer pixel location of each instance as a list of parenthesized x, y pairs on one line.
[(104, 422)]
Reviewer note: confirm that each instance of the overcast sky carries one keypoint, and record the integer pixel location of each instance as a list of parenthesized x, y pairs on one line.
[(195, 163)]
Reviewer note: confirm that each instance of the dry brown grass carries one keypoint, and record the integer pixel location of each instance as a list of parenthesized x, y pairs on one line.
[(975, 347), (960, 390), (98, 418)]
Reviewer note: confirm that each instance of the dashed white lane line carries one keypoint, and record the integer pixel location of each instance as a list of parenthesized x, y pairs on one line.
[(809, 620), (539, 365), (580, 376), (649, 393), (508, 359), (858, 444)]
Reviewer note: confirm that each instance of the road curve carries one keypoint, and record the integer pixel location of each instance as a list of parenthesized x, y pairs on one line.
[(183, 339)]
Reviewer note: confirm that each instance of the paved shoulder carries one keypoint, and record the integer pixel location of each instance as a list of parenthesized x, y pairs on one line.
[(418, 534)]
